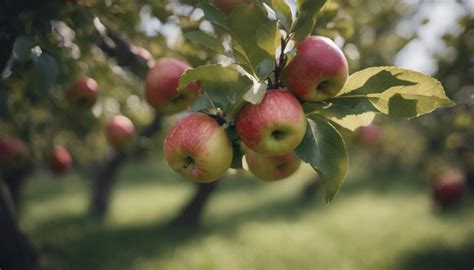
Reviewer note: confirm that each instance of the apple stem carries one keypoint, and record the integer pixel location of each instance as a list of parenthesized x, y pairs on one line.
[(280, 64)]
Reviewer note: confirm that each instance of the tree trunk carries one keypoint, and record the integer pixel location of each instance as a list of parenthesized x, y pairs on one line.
[(190, 215), (16, 250), (105, 177)]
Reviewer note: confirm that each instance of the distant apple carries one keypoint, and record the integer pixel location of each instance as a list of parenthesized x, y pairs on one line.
[(13, 153), (370, 134), (275, 126), (226, 6), (60, 160), (161, 87), (83, 93), (318, 71), (119, 131), (272, 168), (198, 148), (448, 188)]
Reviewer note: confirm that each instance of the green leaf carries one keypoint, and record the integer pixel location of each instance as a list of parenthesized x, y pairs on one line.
[(244, 22), (213, 15), (324, 149), (265, 68), (201, 103), (393, 91), (256, 92), (22, 47), (268, 38), (340, 115), (224, 85), (47, 69), (306, 18), (237, 148), (205, 40), (283, 13)]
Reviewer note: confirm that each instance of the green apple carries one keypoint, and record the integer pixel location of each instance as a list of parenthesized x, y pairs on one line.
[(161, 86), (119, 131), (275, 126), (318, 71), (272, 168), (198, 148)]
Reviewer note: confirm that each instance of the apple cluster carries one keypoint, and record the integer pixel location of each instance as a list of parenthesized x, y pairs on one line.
[(198, 146)]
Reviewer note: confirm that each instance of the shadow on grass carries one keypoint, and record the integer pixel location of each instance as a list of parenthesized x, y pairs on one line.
[(73, 242), (441, 257)]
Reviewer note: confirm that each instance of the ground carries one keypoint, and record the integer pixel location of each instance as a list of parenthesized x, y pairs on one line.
[(383, 221)]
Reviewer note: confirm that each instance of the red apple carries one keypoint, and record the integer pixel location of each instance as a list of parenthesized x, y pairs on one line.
[(198, 148), (161, 87), (119, 131), (272, 168), (226, 6), (275, 126), (448, 188), (83, 93), (60, 160), (13, 153), (370, 134), (318, 71)]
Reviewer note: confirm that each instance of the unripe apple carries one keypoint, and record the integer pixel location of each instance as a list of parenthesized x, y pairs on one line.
[(60, 160), (448, 188), (370, 134), (226, 6), (83, 93), (275, 126), (161, 87), (119, 131), (272, 168), (198, 148), (318, 71), (13, 153)]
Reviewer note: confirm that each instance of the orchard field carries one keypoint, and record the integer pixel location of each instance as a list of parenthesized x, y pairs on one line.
[(236, 134), (385, 221)]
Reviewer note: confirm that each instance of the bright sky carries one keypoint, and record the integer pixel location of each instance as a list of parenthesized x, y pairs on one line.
[(442, 15)]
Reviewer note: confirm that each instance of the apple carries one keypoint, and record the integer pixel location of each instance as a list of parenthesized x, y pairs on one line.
[(119, 131), (275, 126), (448, 188), (370, 134), (198, 148), (226, 6), (83, 93), (161, 85), (318, 71), (272, 168), (13, 153), (60, 160)]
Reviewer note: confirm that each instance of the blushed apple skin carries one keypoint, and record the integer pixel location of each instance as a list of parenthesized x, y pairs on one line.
[(60, 160), (198, 148), (161, 86), (272, 168), (226, 6), (275, 126), (448, 188), (119, 131), (318, 71), (13, 153), (370, 134), (83, 93)]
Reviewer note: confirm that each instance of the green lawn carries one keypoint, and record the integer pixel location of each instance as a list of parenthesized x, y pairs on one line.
[(377, 222)]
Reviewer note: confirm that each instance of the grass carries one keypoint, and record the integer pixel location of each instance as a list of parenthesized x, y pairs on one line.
[(379, 222)]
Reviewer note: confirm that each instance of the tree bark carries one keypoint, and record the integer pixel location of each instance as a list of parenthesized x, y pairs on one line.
[(16, 251), (191, 213), (106, 174)]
